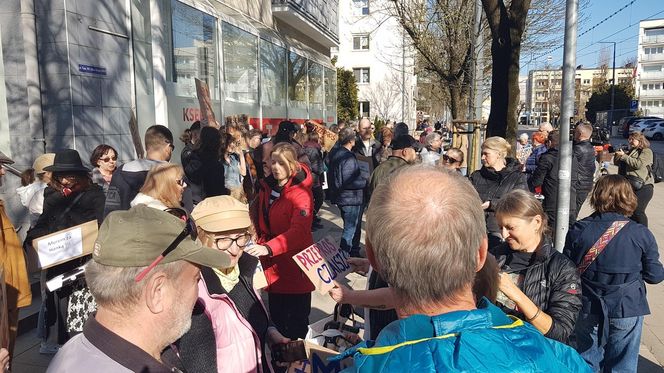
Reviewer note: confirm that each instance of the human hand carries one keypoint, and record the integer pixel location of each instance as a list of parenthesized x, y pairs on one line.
[(4, 359), (508, 287), (620, 152), (273, 337), (486, 205), (359, 265), (257, 250), (339, 292)]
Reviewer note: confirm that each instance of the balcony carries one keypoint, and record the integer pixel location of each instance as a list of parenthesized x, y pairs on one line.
[(658, 57), (317, 19), (655, 39), (651, 93), (651, 75)]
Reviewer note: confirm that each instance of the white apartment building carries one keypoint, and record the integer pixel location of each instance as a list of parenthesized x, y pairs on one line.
[(544, 90), (650, 68), (373, 46)]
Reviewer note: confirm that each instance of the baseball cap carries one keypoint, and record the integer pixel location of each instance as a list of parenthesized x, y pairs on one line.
[(136, 237), (221, 214), (42, 161), (406, 141)]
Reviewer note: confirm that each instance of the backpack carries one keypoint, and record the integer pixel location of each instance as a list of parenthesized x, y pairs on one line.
[(657, 168)]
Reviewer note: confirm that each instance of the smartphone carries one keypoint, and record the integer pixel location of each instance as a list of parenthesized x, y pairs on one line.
[(289, 352)]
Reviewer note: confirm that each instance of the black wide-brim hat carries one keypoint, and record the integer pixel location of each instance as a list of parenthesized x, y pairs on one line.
[(67, 160)]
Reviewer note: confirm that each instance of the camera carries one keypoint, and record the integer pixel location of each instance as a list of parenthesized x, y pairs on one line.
[(624, 148)]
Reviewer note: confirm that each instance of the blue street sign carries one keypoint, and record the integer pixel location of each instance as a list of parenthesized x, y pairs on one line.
[(634, 105), (92, 69)]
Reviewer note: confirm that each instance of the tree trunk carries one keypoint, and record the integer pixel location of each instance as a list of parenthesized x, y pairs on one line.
[(458, 101)]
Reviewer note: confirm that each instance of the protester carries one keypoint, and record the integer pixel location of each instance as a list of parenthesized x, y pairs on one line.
[(546, 176), (235, 168), (14, 269), (523, 150), (365, 145), (545, 128), (347, 187), (385, 138), (460, 141), (128, 179), (229, 303), (404, 152), (104, 162), (205, 169), (499, 175), (636, 166), (32, 195), (285, 133), (282, 216), (163, 187), (584, 152), (431, 152), (430, 265), (70, 199), (190, 139), (615, 257), (538, 284), (539, 148), (452, 160), (142, 308), (253, 140), (401, 129), (314, 152)]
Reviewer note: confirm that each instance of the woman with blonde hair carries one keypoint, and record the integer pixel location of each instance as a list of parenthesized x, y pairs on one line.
[(615, 258), (636, 165), (537, 283), (282, 215), (163, 187), (499, 175)]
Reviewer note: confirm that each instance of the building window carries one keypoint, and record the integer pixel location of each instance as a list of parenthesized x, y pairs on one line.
[(273, 74), (361, 42), (364, 109), (194, 48), (586, 81), (360, 7), (361, 74), (240, 64), (297, 81)]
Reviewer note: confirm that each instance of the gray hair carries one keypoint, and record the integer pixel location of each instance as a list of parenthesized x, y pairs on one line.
[(426, 243), (116, 287), (523, 136), (346, 135), (433, 136)]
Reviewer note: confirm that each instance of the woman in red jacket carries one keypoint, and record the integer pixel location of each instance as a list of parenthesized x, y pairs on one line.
[(282, 216)]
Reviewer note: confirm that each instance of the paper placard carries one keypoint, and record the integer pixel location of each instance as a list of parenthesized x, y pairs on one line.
[(317, 362), (323, 262), (259, 279), (65, 245)]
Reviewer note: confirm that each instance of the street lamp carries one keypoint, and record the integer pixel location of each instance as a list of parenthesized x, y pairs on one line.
[(613, 80)]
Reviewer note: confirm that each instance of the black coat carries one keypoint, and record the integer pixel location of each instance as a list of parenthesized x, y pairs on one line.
[(346, 179), (584, 152), (546, 176), (491, 185), (206, 172), (373, 153), (552, 283)]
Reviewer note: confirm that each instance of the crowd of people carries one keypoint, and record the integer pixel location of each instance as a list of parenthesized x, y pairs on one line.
[(462, 272)]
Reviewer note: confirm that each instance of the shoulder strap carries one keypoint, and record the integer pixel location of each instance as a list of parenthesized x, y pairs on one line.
[(600, 244), (71, 205)]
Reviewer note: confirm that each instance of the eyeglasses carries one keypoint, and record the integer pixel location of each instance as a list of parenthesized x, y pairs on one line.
[(108, 159), (225, 243), (450, 160), (181, 182), (189, 230)]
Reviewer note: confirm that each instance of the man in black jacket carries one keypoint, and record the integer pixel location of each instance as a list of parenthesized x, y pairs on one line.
[(129, 178), (365, 147), (546, 176), (584, 152)]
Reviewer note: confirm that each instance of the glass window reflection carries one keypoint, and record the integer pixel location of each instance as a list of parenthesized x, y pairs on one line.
[(240, 64)]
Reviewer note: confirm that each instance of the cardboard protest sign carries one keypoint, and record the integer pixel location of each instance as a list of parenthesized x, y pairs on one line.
[(323, 262), (207, 114), (317, 362), (65, 245), (4, 320), (259, 279), (327, 137)]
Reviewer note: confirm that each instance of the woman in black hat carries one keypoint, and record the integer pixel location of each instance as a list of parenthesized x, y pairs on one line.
[(70, 199)]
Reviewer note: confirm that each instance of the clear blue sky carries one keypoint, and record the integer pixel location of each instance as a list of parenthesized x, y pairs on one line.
[(623, 28)]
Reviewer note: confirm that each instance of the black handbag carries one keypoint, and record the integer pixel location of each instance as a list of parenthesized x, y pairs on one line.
[(635, 181)]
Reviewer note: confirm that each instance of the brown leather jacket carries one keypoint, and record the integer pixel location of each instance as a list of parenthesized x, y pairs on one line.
[(13, 263)]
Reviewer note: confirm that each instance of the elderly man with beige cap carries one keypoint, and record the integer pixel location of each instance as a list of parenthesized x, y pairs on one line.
[(240, 323), (144, 277)]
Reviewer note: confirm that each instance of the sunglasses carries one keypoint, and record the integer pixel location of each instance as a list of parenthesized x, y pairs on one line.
[(189, 230), (108, 159), (181, 182), (450, 160)]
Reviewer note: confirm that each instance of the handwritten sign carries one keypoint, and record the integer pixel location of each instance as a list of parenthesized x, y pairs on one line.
[(323, 262), (65, 245), (328, 138), (317, 361)]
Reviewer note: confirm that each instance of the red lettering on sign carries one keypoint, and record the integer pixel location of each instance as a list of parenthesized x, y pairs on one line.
[(190, 114)]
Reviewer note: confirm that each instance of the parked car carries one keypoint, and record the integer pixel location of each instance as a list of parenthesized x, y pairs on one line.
[(655, 131), (625, 123), (642, 124)]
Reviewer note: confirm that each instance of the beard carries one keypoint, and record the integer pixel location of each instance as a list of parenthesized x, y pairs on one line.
[(181, 318)]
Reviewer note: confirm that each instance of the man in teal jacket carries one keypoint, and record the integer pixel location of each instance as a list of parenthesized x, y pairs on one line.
[(428, 245)]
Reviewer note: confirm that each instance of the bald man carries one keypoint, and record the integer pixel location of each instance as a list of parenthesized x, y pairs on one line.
[(365, 145)]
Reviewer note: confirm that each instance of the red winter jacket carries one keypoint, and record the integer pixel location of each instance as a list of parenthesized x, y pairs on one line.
[(286, 228)]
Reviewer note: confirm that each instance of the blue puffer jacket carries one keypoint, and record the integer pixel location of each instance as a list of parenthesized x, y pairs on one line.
[(481, 340), (346, 179)]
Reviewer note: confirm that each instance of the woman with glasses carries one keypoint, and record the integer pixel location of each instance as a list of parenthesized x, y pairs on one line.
[(636, 165), (163, 187), (104, 160), (283, 213), (537, 283), (229, 310), (452, 160)]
